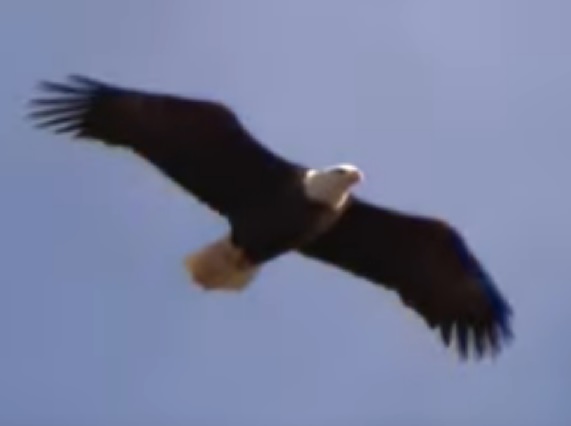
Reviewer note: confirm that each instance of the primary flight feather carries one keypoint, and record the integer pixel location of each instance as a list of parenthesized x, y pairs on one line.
[(275, 206)]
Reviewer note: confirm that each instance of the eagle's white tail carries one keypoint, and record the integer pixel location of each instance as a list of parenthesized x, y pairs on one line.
[(220, 266)]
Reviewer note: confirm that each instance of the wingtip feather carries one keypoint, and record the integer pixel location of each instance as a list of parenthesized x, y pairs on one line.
[(62, 106), (496, 331)]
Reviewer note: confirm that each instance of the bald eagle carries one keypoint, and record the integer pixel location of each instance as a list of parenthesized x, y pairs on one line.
[(275, 206)]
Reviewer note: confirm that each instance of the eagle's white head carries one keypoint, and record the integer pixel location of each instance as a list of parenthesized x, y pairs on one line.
[(332, 185)]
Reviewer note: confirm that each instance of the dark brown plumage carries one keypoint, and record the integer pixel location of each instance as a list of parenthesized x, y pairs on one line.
[(187, 139), (430, 266), (202, 146)]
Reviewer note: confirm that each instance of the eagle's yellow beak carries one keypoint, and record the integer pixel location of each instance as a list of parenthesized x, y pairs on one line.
[(355, 176)]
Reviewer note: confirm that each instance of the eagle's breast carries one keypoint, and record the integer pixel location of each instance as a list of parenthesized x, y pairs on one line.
[(284, 222)]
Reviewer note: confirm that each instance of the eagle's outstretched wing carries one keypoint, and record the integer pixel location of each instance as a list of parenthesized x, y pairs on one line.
[(430, 266), (200, 144)]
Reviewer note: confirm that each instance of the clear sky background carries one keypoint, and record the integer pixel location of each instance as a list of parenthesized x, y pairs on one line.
[(455, 109)]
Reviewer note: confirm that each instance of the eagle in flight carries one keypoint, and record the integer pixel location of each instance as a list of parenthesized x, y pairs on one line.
[(275, 206)]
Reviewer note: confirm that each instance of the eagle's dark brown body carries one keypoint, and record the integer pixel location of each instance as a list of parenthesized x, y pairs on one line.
[(203, 147), (286, 222)]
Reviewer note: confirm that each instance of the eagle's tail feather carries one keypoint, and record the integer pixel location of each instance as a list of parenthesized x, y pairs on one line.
[(221, 266)]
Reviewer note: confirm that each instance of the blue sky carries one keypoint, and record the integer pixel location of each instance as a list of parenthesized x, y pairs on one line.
[(455, 109)]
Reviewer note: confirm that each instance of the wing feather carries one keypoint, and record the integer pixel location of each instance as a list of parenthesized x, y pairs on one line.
[(199, 144), (429, 265)]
